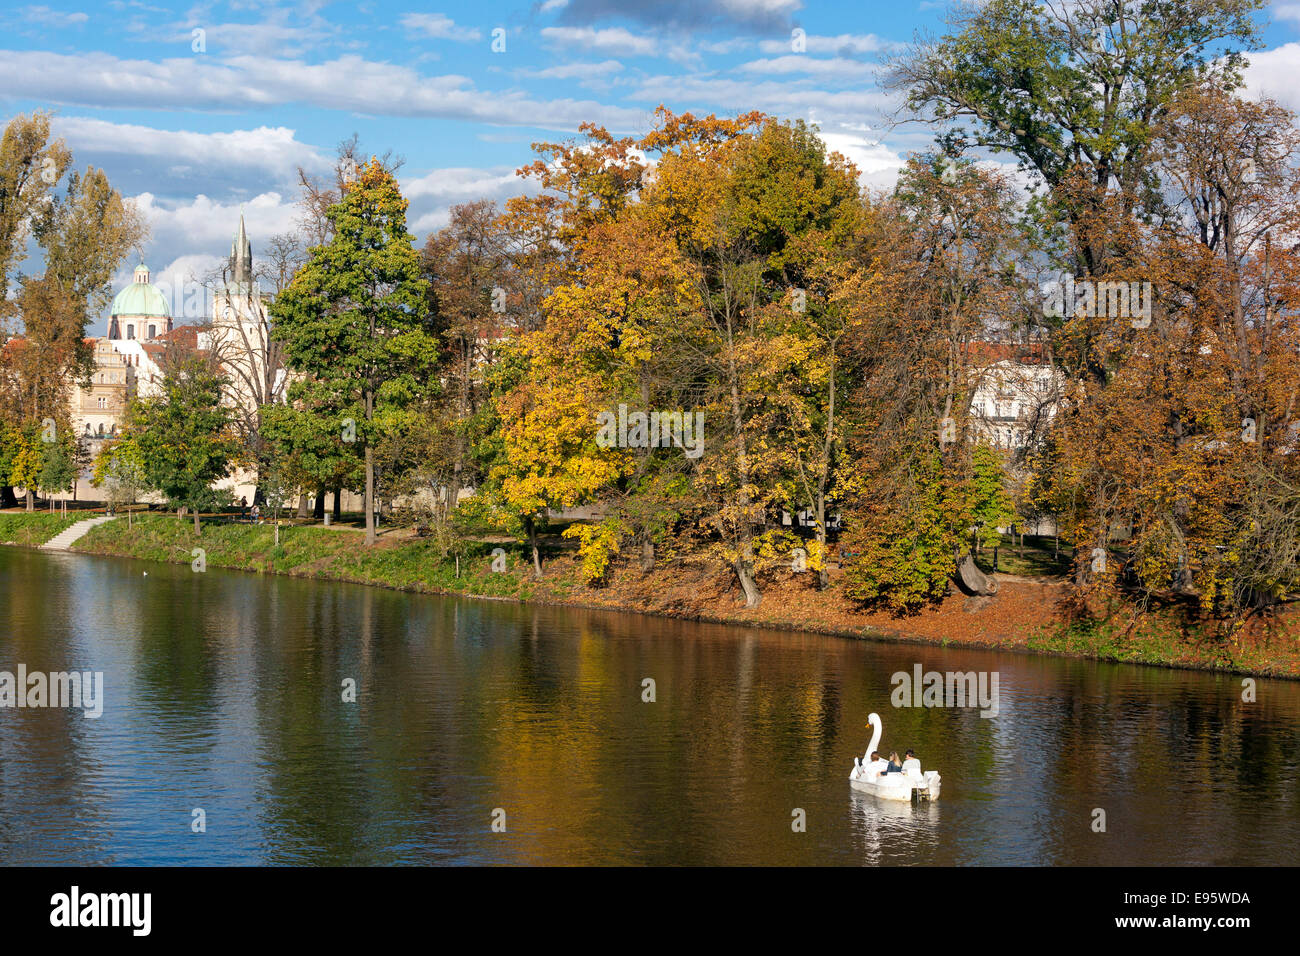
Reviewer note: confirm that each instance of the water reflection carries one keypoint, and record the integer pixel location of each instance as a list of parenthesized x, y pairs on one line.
[(890, 831), (225, 692)]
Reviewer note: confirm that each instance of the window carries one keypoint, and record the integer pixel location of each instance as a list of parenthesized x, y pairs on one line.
[(102, 402), (130, 331), (153, 331)]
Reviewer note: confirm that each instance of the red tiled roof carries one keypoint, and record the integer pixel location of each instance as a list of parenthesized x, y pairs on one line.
[(984, 354)]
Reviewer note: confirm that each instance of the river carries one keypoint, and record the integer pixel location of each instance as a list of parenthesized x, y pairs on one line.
[(224, 705)]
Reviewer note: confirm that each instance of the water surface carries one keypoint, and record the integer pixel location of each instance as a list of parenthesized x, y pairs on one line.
[(224, 692)]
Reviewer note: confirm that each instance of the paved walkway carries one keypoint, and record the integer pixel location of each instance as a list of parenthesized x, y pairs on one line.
[(62, 540)]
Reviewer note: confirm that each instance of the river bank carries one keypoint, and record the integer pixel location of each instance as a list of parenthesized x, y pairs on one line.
[(1026, 615)]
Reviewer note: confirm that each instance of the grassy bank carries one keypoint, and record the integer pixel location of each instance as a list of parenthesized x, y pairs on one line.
[(1024, 616), (33, 528), (399, 561)]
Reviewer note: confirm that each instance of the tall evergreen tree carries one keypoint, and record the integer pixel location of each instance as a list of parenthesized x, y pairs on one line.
[(355, 318)]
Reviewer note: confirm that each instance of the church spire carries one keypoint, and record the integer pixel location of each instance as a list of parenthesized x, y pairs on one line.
[(241, 258)]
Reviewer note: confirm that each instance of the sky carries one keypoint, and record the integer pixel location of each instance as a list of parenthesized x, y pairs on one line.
[(200, 110)]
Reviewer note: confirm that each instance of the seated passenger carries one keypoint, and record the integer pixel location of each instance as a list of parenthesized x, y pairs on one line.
[(877, 765), (895, 765), (911, 766)]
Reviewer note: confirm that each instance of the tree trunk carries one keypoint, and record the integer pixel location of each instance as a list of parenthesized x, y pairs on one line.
[(318, 510), (453, 489), (303, 506), (197, 530), (31, 500), (532, 543), (277, 529), (370, 475), (647, 556), (745, 573), (823, 576), (338, 501)]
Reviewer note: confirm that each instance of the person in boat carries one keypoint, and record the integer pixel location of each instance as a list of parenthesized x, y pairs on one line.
[(877, 764), (910, 763), (895, 765)]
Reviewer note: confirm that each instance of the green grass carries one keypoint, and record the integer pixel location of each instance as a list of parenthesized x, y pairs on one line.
[(334, 554), (1157, 641), (34, 528), (248, 547), (1037, 559)]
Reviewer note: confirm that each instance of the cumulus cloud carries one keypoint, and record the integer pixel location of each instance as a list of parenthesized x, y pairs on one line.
[(347, 83), (574, 71), (439, 27), (677, 15), (845, 44), (796, 99), (274, 151), (877, 164), (1272, 73), (206, 225), (433, 194), (46, 17), (612, 40), (836, 68)]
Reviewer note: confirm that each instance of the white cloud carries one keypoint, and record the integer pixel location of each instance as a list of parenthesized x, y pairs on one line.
[(613, 40), (440, 27), (788, 100), (878, 164), (206, 225), (433, 194), (1272, 73), (347, 83), (273, 150), (1287, 11), (551, 5), (844, 43), (53, 18), (755, 9), (796, 63), (574, 71)]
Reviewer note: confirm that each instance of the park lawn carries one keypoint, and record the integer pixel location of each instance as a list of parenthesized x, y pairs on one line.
[(337, 553), (1038, 558), (226, 544), (34, 528)]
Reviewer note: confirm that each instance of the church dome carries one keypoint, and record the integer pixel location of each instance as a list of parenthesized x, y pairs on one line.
[(140, 298)]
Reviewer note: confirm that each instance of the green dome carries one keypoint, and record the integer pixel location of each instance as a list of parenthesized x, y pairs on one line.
[(140, 298)]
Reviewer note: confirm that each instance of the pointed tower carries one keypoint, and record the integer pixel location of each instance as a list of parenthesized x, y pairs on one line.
[(241, 259)]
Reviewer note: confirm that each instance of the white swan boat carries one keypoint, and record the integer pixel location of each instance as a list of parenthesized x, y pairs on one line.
[(911, 784)]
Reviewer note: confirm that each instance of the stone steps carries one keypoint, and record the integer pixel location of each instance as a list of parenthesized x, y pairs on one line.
[(62, 540)]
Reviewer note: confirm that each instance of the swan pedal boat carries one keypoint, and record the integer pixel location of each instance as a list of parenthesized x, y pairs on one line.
[(910, 785)]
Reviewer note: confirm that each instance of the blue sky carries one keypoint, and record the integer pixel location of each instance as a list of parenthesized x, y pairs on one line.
[(195, 135)]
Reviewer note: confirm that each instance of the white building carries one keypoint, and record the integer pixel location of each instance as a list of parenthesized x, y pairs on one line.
[(1015, 394)]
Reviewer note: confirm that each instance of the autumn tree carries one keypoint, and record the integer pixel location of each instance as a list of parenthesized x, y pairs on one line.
[(945, 253)]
